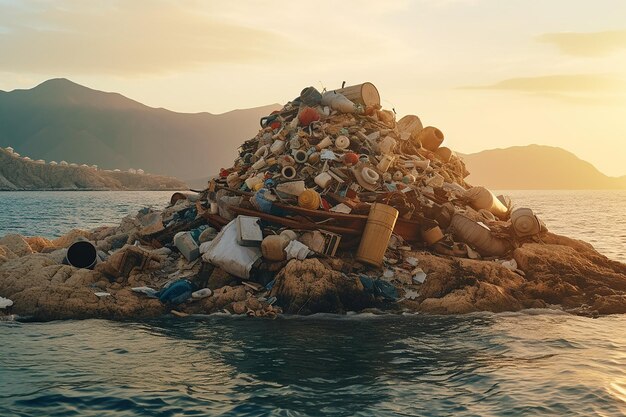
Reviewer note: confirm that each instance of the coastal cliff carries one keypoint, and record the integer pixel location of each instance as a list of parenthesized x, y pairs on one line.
[(18, 174)]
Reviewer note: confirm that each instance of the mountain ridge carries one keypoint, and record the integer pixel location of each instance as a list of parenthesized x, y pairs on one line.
[(536, 167), (62, 120), (59, 119)]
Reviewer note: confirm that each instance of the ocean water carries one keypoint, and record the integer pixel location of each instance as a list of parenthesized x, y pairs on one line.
[(535, 363), (53, 213), (532, 363), (598, 217)]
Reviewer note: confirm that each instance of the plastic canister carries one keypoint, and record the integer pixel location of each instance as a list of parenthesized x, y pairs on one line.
[(477, 236), (423, 164), (293, 187), (385, 162), (82, 254), (273, 248), (324, 143), (252, 181), (310, 96), (525, 222), (187, 246), (435, 181), (261, 152), (289, 235), (233, 180), (387, 145), (432, 235), (323, 180), (277, 147), (259, 164), (380, 223), (431, 138), (314, 158), (482, 198)]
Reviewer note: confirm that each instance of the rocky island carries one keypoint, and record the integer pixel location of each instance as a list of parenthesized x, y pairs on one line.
[(334, 206), (18, 173)]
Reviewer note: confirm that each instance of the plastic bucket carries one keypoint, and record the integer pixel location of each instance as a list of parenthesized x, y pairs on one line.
[(431, 138), (380, 223)]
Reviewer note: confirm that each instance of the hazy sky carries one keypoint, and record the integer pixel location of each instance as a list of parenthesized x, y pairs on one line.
[(488, 73)]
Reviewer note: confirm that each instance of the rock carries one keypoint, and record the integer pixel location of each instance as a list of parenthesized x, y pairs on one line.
[(150, 223), (6, 254), (128, 259), (611, 304), (16, 244), (222, 298), (568, 272), (307, 287), (72, 236), (115, 241), (38, 243), (219, 278), (239, 307), (58, 256), (44, 290), (480, 297), (102, 232), (129, 225)]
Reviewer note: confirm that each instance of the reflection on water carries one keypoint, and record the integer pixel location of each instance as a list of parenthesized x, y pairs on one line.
[(533, 363)]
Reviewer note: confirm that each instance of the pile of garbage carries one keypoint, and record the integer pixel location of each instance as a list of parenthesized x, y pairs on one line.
[(323, 210), (335, 177), (337, 165)]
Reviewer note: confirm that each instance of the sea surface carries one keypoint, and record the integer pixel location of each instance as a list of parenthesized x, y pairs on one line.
[(532, 363)]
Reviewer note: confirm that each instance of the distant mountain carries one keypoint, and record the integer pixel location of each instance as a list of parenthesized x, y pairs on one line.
[(536, 167), (17, 173), (62, 120)]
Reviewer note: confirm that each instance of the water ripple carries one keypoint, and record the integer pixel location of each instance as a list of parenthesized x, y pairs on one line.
[(487, 364)]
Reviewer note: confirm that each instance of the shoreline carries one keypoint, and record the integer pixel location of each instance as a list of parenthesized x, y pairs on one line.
[(559, 274), (334, 206)]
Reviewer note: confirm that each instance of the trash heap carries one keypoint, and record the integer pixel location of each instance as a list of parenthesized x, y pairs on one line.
[(325, 156), (333, 206), (335, 177)]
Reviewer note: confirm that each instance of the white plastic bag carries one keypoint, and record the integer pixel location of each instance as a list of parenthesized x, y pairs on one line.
[(225, 252)]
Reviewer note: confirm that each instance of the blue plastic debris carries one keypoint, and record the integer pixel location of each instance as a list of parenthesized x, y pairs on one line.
[(177, 293), (379, 288)]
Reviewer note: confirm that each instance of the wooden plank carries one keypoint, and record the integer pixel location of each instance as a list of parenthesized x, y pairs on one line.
[(296, 224)]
